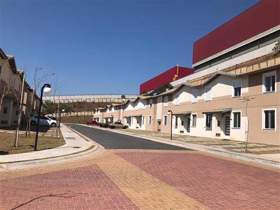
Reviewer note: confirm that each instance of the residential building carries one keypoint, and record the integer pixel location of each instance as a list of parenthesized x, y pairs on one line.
[(234, 92), (11, 80)]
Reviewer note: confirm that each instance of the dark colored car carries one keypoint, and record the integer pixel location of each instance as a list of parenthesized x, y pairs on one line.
[(117, 125), (104, 125)]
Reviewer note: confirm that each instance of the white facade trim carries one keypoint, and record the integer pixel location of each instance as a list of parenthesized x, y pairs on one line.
[(268, 74), (275, 119), (229, 63)]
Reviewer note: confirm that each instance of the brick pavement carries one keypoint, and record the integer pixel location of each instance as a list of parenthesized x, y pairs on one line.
[(137, 179), (216, 183), (80, 188), (146, 191)]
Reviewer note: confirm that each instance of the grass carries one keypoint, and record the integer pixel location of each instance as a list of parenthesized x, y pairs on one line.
[(26, 143)]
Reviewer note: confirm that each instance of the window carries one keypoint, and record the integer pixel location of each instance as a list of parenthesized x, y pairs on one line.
[(269, 82), (165, 120), (236, 119), (150, 120), (237, 92), (269, 119), (209, 121), (194, 117), (150, 102), (176, 122)]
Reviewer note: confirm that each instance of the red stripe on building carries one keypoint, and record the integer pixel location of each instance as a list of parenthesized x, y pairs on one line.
[(165, 78), (257, 19)]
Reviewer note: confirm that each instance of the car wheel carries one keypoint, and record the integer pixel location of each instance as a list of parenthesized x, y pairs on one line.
[(53, 125)]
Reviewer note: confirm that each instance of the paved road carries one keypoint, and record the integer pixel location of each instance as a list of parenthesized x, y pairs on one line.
[(169, 178), (112, 140)]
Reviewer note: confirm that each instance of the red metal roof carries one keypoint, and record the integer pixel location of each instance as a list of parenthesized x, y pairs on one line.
[(259, 18), (165, 78)]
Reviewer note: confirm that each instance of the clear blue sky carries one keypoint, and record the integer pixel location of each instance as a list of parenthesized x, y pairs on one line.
[(107, 46)]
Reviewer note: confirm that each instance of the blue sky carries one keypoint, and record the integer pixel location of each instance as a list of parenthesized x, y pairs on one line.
[(107, 46)]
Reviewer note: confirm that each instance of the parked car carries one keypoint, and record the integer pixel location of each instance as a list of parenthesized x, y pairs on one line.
[(92, 122), (44, 121), (117, 124), (104, 125), (53, 118)]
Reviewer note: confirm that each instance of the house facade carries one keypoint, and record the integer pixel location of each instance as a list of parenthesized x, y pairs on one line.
[(11, 83), (234, 91)]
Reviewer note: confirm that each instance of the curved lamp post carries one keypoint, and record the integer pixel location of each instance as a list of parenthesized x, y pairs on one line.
[(45, 88)]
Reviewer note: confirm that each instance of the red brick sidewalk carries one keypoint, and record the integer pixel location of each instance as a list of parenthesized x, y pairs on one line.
[(81, 188), (146, 180), (217, 183)]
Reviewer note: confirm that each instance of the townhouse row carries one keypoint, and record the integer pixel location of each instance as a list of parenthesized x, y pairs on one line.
[(232, 93), (13, 88), (247, 108)]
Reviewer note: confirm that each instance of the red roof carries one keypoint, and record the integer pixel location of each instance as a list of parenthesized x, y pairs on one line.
[(259, 18), (165, 78)]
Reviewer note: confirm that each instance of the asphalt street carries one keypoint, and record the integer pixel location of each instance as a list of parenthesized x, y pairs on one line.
[(112, 140)]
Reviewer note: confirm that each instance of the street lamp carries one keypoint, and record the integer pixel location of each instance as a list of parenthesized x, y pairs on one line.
[(45, 88), (171, 117)]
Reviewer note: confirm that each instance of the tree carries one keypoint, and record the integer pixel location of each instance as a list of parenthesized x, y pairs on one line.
[(49, 107)]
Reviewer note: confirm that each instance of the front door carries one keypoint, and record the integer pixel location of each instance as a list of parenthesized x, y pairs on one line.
[(188, 123), (227, 125)]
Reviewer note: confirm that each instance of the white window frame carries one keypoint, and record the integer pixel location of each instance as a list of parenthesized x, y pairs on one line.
[(232, 117), (192, 120), (205, 120), (233, 91), (269, 74), (275, 118)]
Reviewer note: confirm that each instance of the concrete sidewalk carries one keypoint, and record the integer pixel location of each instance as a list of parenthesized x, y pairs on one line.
[(271, 160), (74, 144)]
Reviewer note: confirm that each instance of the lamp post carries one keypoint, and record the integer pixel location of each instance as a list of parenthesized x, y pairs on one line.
[(171, 119), (48, 86)]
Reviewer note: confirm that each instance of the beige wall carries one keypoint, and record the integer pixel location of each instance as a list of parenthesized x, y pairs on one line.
[(250, 105), (259, 102)]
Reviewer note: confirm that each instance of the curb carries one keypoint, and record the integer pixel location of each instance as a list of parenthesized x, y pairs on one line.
[(226, 154), (94, 147), (91, 148)]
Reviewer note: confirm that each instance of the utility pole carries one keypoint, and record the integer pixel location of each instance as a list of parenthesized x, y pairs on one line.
[(171, 117), (20, 110)]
